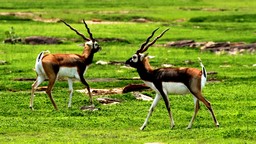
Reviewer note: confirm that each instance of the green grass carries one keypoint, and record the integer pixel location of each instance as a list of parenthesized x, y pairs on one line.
[(233, 97)]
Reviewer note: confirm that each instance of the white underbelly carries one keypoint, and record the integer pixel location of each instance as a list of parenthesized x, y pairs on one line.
[(170, 87), (70, 72)]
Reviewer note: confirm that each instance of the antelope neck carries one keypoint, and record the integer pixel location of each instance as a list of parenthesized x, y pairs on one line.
[(146, 72), (88, 54)]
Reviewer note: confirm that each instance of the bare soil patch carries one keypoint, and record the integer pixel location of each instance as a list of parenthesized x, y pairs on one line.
[(202, 9), (98, 92), (215, 47), (35, 16)]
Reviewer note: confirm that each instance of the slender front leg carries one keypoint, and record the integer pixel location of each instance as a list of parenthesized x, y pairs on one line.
[(153, 105), (167, 104), (52, 80), (38, 81), (88, 88), (196, 108), (70, 87)]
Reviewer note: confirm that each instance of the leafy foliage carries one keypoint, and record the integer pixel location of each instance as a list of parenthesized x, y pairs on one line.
[(12, 36)]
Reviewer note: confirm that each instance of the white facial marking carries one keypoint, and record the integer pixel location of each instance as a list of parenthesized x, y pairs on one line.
[(96, 45)]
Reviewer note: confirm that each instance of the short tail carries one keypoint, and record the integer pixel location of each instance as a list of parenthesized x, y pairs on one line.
[(204, 74), (41, 55), (38, 65)]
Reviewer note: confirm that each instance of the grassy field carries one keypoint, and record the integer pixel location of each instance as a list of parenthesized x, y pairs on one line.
[(232, 96)]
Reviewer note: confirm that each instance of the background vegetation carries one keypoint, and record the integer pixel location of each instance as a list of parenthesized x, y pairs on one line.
[(233, 96)]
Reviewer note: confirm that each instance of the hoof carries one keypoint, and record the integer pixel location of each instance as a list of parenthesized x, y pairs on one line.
[(31, 108), (217, 124), (142, 128)]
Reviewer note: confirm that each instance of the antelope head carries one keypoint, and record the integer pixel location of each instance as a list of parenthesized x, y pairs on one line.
[(89, 42), (139, 58)]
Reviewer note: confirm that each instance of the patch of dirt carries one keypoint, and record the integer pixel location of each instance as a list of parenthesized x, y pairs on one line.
[(140, 20), (18, 14), (107, 101), (202, 9), (42, 40), (101, 62), (34, 40), (89, 108), (37, 16), (98, 92), (31, 15), (134, 87), (113, 12), (181, 43), (140, 96), (216, 47), (180, 20), (98, 21)]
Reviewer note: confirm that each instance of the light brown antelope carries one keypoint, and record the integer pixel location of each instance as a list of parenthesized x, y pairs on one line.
[(72, 66), (166, 81)]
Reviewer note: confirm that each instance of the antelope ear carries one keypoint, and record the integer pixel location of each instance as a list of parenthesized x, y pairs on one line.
[(151, 57), (89, 43), (143, 56)]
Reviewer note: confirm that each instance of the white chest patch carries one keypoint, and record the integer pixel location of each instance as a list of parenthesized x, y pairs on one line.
[(170, 87)]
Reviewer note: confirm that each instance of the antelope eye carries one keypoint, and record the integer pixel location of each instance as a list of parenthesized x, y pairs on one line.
[(134, 58)]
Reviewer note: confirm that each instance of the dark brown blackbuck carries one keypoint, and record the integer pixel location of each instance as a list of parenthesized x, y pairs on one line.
[(166, 81), (73, 66)]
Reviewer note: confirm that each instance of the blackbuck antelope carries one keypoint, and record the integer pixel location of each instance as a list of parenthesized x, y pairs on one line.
[(166, 81), (72, 66)]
